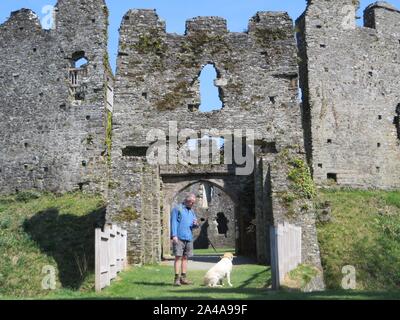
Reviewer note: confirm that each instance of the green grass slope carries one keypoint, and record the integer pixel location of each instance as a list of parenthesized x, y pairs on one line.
[(49, 230), (365, 233)]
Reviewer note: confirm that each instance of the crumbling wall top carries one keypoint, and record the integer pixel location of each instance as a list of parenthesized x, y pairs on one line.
[(383, 17), (142, 19), (271, 26), (23, 19), (383, 5), (215, 25)]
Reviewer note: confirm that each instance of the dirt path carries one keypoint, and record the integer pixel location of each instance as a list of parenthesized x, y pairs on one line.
[(205, 262)]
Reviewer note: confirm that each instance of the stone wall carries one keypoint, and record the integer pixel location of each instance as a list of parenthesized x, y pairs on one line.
[(54, 117), (349, 78), (157, 82), (49, 139)]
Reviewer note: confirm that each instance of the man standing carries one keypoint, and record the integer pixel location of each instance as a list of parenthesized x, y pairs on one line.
[(183, 221)]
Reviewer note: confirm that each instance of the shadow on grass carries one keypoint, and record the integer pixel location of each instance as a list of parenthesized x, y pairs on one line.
[(154, 284), (255, 276), (215, 258), (69, 239)]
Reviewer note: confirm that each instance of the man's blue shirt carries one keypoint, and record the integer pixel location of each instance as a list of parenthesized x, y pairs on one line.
[(182, 224)]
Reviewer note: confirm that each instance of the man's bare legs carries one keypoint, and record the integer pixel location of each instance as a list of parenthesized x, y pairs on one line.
[(180, 264)]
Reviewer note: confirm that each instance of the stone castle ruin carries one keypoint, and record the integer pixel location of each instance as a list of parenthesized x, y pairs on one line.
[(67, 126)]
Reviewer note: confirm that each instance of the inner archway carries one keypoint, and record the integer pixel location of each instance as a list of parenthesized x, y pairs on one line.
[(216, 212)]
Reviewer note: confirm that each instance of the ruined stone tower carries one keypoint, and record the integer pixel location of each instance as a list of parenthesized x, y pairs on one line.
[(157, 83), (351, 96), (53, 113)]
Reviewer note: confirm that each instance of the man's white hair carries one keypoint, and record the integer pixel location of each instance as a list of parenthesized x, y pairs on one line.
[(190, 196)]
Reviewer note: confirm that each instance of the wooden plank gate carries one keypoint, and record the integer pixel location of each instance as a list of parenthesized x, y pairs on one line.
[(110, 254), (285, 251)]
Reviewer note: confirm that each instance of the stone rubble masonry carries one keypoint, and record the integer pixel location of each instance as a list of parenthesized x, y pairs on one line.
[(48, 140), (347, 125), (351, 97)]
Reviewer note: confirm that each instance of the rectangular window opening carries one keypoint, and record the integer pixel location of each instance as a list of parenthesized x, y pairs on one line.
[(332, 177), (134, 151), (193, 107)]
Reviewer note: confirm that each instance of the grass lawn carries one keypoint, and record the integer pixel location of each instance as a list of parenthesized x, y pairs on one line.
[(211, 251), (154, 283), (58, 231)]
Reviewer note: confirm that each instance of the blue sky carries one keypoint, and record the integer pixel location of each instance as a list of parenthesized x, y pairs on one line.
[(175, 13)]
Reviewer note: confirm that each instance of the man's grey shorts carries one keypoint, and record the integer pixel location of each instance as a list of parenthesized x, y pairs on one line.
[(183, 248)]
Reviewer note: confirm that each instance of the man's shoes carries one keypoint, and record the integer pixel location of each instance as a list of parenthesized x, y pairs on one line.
[(185, 281), (177, 282)]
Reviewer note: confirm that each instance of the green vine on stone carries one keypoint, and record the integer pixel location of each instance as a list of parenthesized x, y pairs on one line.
[(303, 184), (151, 43)]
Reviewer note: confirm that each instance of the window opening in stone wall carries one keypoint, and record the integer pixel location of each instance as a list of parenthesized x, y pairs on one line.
[(332, 177), (272, 100), (77, 74), (207, 150), (193, 107), (209, 92), (397, 120), (134, 151), (222, 224)]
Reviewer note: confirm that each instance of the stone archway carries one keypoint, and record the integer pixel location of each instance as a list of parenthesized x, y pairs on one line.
[(232, 189), (216, 212)]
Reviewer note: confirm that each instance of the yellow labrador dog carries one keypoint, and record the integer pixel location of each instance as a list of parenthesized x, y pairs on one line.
[(217, 273)]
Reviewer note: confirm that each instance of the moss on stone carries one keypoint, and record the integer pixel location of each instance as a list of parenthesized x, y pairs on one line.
[(264, 37), (109, 136), (128, 214), (174, 98), (131, 194), (107, 65), (195, 43), (303, 184), (301, 188), (113, 185), (151, 43)]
